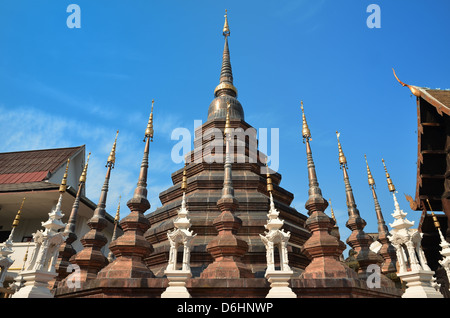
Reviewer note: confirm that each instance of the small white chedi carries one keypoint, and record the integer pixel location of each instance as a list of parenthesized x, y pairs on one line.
[(181, 235), (412, 264), (275, 237), (40, 268)]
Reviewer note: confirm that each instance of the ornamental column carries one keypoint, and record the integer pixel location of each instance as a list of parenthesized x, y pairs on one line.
[(387, 251), (131, 248), (358, 239), (66, 250), (91, 259), (322, 248)]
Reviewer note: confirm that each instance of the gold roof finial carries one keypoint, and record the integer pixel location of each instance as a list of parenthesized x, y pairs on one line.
[(149, 129), (84, 173), (117, 218), (413, 90), (17, 218), (332, 211), (269, 179), (435, 220), (112, 155), (63, 185), (184, 180), (388, 178), (306, 133), (342, 159), (369, 174), (226, 28)]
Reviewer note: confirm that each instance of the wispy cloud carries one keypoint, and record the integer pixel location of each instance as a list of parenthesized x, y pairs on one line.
[(28, 128)]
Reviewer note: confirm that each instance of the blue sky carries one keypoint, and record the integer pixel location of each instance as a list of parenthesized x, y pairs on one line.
[(62, 87)]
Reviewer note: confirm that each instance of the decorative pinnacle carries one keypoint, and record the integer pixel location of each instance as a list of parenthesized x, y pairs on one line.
[(413, 90), (149, 129), (226, 29), (84, 173), (369, 174), (388, 178), (63, 186), (342, 159), (184, 181), (117, 218), (332, 212), (17, 218), (269, 180), (112, 155), (306, 133)]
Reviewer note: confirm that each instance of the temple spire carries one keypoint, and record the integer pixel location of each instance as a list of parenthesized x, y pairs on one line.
[(358, 239), (225, 92), (91, 259), (131, 248), (322, 248), (315, 193), (387, 251), (66, 250), (226, 75)]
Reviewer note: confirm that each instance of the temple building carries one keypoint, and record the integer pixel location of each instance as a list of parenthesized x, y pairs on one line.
[(433, 172), (35, 175), (226, 227)]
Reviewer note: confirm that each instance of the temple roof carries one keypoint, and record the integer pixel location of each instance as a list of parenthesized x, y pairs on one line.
[(433, 107), (34, 165)]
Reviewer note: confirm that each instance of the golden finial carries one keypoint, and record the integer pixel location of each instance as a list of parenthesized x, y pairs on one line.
[(369, 174), (17, 218), (184, 180), (435, 220), (413, 90), (332, 212), (388, 178), (112, 155), (84, 173), (63, 186), (149, 129), (306, 133), (117, 218), (226, 29), (342, 159), (269, 180)]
